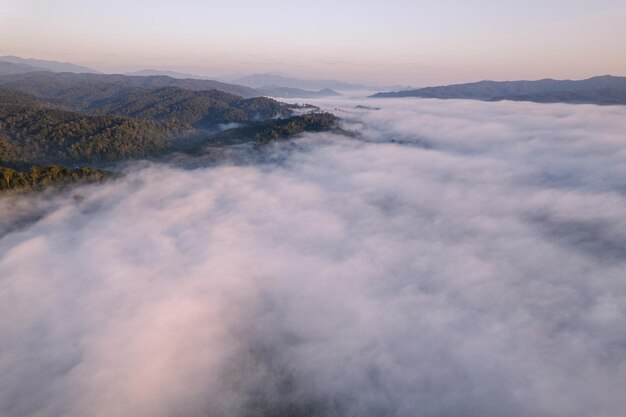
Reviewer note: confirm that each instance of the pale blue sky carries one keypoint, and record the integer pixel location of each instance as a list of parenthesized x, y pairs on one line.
[(394, 41)]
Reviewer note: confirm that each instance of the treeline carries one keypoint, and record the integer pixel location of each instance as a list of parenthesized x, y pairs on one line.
[(38, 177)]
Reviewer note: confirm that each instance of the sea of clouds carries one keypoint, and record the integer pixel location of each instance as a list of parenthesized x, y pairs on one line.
[(459, 259)]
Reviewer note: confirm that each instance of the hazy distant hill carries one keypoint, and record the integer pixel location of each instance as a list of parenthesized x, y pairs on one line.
[(286, 92), (267, 84), (265, 90), (85, 89), (273, 80), (43, 65), (597, 90), (173, 74), (7, 68), (271, 91)]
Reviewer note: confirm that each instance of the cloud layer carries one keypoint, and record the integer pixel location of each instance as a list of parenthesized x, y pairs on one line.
[(461, 259)]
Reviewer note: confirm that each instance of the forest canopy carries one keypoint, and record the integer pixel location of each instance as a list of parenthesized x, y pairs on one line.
[(57, 122)]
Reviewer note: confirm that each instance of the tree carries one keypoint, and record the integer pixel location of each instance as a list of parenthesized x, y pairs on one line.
[(7, 175)]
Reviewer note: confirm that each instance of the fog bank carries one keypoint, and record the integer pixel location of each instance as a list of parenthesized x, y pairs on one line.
[(459, 259)]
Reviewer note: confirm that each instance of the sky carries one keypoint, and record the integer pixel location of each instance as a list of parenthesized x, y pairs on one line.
[(409, 42)]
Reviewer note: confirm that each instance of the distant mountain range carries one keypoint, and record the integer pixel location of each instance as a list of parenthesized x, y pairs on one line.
[(256, 85), (278, 91), (105, 86), (21, 65), (263, 81), (277, 86), (173, 74), (57, 113), (8, 68), (52, 80), (286, 92), (67, 118), (604, 90)]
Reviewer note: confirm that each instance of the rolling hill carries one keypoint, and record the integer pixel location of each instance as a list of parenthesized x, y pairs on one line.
[(286, 92), (71, 121), (198, 109), (173, 74), (9, 68), (262, 81), (84, 90)]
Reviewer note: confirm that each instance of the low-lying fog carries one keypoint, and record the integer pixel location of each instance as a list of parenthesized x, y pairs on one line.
[(460, 259)]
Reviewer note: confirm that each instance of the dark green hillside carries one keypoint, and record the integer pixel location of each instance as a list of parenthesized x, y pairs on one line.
[(272, 130), (70, 119), (118, 124), (15, 97), (36, 135), (200, 109)]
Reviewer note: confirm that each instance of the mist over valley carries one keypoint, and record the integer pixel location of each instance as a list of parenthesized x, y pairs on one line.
[(460, 251), (312, 209)]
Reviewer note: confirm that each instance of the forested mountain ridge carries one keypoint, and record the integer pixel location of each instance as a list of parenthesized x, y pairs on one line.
[(9, 97), (34, 132), (42, 136), (50, 119), (198, 109), (279, 129), (30, 64)]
